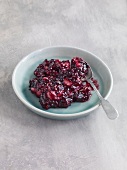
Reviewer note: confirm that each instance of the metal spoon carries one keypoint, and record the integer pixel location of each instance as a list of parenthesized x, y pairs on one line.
[(111, 112)]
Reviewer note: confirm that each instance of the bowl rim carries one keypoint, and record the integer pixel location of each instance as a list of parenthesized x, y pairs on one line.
[(51, 114)]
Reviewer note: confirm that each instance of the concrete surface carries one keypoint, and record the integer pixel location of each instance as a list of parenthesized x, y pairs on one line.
[(31, 142)]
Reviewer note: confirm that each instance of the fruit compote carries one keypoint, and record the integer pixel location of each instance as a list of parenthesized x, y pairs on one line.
[(59, 83)]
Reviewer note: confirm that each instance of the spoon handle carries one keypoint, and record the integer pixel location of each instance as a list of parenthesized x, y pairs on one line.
[(111, 112)]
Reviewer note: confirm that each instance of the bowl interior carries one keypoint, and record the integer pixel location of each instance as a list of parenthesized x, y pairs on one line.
[(24, 72)]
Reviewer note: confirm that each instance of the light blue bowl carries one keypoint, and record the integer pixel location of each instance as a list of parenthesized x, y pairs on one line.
[(24, 72)]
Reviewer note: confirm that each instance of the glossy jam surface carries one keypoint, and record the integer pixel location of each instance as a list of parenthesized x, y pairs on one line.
[(59, 83)]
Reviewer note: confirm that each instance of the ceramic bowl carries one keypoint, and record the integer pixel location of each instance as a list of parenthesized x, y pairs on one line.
[(24, 72)]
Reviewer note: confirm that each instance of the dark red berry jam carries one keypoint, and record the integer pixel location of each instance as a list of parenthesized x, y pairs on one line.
[(59, 83)]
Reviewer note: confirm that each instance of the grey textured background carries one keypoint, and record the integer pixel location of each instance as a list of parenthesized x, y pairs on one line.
[(31, 142)]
